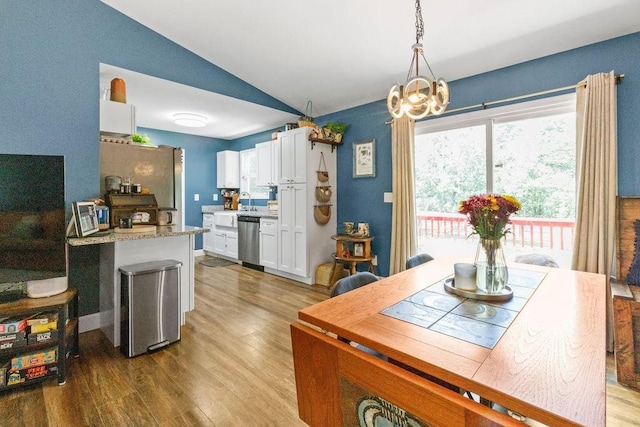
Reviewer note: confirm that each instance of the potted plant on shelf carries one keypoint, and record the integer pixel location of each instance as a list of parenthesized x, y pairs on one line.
[(334, 131), (142, 139)]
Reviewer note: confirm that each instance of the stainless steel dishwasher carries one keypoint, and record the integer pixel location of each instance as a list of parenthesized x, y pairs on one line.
[(249, 240)]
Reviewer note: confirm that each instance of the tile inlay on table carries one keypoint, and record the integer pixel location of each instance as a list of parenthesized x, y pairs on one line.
[(479, 322)]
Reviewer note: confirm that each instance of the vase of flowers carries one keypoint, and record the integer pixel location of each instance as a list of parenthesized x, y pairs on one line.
[(489, 215), (491, 267)]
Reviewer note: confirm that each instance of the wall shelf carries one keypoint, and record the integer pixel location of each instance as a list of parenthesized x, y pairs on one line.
[(333, 144)]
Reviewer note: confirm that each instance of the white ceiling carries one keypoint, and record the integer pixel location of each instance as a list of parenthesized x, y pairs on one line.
[(344, 53), (157, 100)]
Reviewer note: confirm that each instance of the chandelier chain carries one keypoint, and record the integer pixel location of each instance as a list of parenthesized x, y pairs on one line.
[(419, 22)]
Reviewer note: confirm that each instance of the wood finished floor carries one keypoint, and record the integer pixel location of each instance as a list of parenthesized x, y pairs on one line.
[(232, 367)]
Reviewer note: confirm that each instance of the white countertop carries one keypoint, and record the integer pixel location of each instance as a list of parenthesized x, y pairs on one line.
[(160, 231), (261, 211)]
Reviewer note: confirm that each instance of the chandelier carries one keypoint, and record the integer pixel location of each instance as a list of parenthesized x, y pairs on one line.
[(418, 96)]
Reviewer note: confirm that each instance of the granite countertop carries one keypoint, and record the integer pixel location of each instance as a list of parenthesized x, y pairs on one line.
[(211, 208), (160, 231)]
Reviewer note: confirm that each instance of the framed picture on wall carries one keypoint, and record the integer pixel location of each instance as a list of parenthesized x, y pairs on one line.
[(364, 159)]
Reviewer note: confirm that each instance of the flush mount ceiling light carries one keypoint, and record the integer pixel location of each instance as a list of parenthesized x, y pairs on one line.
[(418, 96), (190, 120)]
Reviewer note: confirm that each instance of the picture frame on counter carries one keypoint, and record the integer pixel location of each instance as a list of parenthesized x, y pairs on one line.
[(358, 249), (85, 218), (364, 159)]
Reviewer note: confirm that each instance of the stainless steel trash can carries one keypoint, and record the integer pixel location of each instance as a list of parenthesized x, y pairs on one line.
[(150, 306)]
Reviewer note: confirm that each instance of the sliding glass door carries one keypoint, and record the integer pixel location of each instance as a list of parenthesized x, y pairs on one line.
[(528, 153)]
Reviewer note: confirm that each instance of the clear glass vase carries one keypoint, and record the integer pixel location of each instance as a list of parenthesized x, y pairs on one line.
[(492, 274)]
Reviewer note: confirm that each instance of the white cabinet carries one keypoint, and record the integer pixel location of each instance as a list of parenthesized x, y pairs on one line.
[(267, 173), (228, 169), (293, 147), (208, 238), (225, 243), (292, 229), (225, 236), (219, 242), (269, 242), (117, 118), (303, 244)]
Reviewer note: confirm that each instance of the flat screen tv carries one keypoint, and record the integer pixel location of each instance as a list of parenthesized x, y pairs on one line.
[(32, 219)]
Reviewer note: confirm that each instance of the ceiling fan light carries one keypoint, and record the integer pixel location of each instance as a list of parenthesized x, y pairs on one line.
[(190, 120)]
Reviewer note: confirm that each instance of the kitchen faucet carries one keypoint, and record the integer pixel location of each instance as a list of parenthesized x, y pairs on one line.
[(244, 193)]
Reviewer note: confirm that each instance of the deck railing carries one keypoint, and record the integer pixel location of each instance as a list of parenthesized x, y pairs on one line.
[(531, 232)]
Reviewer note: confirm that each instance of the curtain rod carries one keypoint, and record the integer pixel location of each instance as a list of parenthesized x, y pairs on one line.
[(484, 105)]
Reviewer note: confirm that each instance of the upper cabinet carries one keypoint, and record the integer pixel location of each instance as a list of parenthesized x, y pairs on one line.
[(267, 173), (293, 155), (228, 163), (117, 118)]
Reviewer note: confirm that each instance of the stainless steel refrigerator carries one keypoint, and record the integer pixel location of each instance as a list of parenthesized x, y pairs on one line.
[(160, 169)]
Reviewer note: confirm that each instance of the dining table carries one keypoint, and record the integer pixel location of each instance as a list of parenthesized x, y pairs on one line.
[(538, 354)]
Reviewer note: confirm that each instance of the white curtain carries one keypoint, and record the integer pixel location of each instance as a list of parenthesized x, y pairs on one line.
[(596, 170), (403, 219)]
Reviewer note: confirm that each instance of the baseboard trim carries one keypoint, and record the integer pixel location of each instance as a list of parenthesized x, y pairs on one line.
[(89, 322), (305, 280)]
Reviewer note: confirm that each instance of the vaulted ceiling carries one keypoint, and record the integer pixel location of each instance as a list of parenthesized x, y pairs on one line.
[(344, 53)]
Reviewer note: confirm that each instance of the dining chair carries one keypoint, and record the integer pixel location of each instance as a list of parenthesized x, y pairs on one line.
[(418, 259), (537, 259), (352, 282), (347, 284)]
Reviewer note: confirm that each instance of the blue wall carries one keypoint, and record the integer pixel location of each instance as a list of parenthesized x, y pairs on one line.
[(50, 88), (49, 92), (51, 51)]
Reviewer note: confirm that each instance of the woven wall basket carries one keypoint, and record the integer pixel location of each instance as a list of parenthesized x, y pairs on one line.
[(323, 176), (322, 213), (323, 194), (322, 173)]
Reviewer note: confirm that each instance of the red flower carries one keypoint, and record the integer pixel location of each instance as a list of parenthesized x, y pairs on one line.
[(489, 214)]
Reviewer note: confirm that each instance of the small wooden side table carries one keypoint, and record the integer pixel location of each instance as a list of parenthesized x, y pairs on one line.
[(359, 250)]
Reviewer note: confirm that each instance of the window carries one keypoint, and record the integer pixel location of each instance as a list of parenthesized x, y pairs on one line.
[(248, 175), (527, 150)]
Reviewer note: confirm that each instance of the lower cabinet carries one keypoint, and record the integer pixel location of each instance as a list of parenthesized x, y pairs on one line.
[(269, 242), (38, 338), (208, 238), (225, 243), (292, 252)]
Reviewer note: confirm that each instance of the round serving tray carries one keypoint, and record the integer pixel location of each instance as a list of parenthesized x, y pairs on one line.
[(505, 295)]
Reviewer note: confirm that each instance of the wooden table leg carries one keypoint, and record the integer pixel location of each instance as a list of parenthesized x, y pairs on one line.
[(353, 267), (372, 268)]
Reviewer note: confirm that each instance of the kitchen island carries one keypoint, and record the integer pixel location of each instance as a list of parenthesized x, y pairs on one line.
[(119, 249)]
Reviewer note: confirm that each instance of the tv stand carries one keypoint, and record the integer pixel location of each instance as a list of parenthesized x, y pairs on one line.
[(66, 344)]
